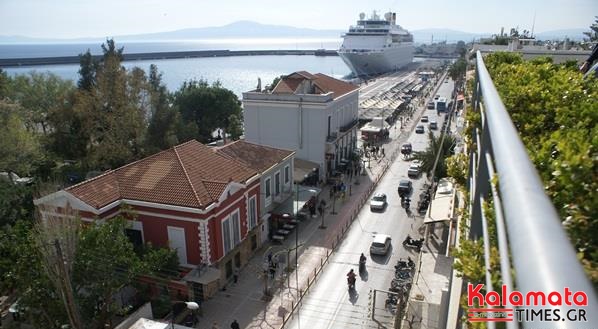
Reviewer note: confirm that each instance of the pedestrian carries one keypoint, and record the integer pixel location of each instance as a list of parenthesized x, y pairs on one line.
[(235, 325), (236, 274), (383, 152), (215, 325), (272, 270), (331, 191)]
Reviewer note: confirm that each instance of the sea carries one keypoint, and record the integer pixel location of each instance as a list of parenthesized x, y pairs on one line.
[(237, 73)]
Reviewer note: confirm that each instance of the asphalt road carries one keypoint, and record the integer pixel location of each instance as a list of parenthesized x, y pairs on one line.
[(329, 303)]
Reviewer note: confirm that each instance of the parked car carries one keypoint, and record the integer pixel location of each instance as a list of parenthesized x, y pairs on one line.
[(414, 169), (433, 125), (419, 129), (405, 187), (436, 97), (425, 118), (378, 202), (406, 149), (380, 245), (431, 106)]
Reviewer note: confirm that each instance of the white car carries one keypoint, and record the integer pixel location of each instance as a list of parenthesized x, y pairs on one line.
[(378, 202), (414, 169), (380, 245)]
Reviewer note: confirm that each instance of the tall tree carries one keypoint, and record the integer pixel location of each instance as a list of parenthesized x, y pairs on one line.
[(39, 94), (429, 155), (592, 34), (209, 107), (87, 71), (19, 147), (165, 120)]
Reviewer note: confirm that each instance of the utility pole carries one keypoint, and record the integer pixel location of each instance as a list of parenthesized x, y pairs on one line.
[(67, 289)]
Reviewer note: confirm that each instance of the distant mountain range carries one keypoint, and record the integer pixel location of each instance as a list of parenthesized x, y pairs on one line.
[(249, 29)]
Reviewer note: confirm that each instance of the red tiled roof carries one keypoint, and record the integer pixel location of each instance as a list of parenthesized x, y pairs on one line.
[(257, 157), (323, 84), (190, 175)]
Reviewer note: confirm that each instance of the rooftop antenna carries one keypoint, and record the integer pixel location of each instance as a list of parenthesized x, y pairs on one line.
[(533, 24)]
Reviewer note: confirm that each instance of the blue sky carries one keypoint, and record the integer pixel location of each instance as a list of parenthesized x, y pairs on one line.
[(101, 18)]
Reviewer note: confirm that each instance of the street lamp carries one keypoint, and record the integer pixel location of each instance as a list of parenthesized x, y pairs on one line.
[(189, 305)]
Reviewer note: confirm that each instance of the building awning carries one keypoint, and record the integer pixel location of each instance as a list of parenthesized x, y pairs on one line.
[(302, 168), (442, 206), (301, 194)]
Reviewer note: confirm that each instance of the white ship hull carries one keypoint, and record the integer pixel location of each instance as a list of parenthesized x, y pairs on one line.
[(374, 62)]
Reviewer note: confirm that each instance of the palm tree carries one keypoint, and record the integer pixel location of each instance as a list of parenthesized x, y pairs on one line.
[(428, 157)]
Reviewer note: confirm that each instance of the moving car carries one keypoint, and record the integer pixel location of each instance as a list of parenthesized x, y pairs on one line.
[(414, 169), (431, 106), (380, 245), (378, 202), (425, 118), (405, 187), (433, 125), (419, 129), (406, 149), (436, 97)]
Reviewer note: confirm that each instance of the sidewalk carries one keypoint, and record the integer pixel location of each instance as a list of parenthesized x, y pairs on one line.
[(244, 301)]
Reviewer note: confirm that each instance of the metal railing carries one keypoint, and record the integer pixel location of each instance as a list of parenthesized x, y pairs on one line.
[(528, 227)]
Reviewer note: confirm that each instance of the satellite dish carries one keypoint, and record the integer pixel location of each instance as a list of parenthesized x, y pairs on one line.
[(361, 16)]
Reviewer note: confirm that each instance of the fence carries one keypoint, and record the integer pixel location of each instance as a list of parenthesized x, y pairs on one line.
[(528, 228)]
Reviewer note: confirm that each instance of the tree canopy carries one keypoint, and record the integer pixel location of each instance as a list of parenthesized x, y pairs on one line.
[(556, 114)]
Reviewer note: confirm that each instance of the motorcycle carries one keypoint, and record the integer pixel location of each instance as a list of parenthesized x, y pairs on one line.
[(351, 282), (408, 264), (412, 243)]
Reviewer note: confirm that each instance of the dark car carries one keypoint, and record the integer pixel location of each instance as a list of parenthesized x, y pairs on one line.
[(419, 129), (425, 118), (406, 149), (405, 187)]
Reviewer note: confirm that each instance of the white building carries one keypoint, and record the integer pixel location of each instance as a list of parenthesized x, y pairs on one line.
[(312, 114)]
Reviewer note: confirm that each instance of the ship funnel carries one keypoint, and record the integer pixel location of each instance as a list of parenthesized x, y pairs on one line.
[(394, 18)]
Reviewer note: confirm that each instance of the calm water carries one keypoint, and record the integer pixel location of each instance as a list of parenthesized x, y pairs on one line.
[(238, 74)]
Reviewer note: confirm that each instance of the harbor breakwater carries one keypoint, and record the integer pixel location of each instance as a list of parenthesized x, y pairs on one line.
[(15, 62)]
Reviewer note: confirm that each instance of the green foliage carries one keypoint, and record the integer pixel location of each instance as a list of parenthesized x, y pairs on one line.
[(457, 166), (428, 156), (165, 120), (4, 80), (556, 113), (235, 127), (275, 81), (87, 71), (457, 69), (39, 94), (19, 147), (208, 107), (593, 33), (104, 263), (16, 202)]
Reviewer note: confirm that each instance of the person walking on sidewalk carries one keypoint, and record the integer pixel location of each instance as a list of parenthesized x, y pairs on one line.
[(215, 325), (236, 274), (235, 325)]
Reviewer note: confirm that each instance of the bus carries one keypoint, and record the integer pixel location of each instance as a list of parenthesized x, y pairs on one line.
[(441, 104)]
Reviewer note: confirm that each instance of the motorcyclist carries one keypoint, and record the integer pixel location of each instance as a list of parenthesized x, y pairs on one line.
[(351, 278)]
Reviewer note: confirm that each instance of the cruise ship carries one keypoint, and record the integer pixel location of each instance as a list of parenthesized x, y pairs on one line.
[(375, 45)]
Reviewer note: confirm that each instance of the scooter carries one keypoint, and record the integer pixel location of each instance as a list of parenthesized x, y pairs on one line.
[(351, 282), (411, 243), (405, 264)]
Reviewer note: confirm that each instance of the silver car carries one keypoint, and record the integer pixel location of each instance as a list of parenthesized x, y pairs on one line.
[(380, 245), (378, 202)]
